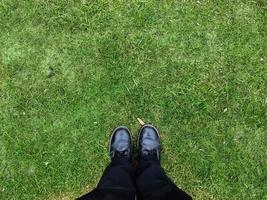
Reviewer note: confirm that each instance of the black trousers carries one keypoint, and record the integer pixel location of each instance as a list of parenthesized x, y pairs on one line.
[(121, 181)]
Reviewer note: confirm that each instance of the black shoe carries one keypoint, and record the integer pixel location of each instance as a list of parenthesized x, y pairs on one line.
[(149, 143), (121, 145)]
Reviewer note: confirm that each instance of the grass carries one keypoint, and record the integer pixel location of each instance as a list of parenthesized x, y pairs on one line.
[(71, 71)]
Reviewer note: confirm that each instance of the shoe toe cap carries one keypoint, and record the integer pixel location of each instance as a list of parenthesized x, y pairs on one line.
[(149, 138)]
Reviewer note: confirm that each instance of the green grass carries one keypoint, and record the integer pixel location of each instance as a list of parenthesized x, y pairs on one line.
[(195, 69)]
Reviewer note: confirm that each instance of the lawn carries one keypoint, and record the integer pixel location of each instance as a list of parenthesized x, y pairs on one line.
[(71, 71)]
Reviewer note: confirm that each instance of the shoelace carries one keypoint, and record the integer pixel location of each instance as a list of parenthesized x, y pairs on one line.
[(121, 154), (152, 152)]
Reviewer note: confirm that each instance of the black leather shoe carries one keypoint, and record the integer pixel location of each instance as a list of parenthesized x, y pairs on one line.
[(149, 143), (121, 145)]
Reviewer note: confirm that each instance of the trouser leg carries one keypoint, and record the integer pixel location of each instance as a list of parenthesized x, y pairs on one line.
[(117, 183), (153, 184)]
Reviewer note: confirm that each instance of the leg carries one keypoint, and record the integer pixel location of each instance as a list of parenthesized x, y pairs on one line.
[(151, 181), (118, 175), (117, 182)]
